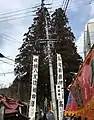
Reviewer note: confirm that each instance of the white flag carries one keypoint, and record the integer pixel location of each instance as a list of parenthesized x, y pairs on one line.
[(60, 87), (32, 107)]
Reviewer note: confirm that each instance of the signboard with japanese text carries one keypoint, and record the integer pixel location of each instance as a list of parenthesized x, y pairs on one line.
[(60, 87), (32, 108), (58, 91)]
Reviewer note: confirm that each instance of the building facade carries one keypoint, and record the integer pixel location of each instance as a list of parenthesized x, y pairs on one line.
[(88, 37)]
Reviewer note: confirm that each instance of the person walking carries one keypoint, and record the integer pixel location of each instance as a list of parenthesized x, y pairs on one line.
[(50, 115)]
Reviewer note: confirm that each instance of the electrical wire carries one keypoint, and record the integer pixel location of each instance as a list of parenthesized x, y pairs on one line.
[(15, 11), (9, 36), (79, 4), (5, 38), (7, 58), (10, 59), (11, 72), (8, 16), (6, 62), (66, 5), (20, 17), (16, 18)]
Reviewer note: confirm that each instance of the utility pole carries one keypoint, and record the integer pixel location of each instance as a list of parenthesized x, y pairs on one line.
[(51, 74), (50, 65)]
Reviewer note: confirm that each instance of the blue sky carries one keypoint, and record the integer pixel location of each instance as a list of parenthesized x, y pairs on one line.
[(79, 12), (78, 15)]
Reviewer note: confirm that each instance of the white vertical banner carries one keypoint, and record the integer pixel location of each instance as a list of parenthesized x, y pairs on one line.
[(32, 106), (60, 87)]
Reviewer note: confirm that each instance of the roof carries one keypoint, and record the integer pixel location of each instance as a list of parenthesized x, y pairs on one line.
[(10, 104), (12, 107)]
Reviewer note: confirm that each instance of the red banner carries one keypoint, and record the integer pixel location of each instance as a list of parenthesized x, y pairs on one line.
[(82, 90)]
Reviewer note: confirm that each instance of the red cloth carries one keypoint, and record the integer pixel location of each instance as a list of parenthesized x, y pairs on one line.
[(10, 105), (82, 90)]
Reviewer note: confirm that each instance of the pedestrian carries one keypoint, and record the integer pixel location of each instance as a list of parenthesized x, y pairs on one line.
[(50, 115)]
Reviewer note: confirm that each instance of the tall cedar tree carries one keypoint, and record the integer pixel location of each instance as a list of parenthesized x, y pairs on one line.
[(65, 46), (31, 45)]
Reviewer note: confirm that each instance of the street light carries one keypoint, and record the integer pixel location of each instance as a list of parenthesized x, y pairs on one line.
[(2, 56)]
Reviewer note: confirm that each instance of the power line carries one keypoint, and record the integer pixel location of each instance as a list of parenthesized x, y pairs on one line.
[(66, 5), (80, 4), (15, 18), (6, 62), (15, 11), (20, 17), (2, 56), (9, 37), (11, 72), (7, 16), (24, 10), (13, 39), (10, 59), (5, 38)]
